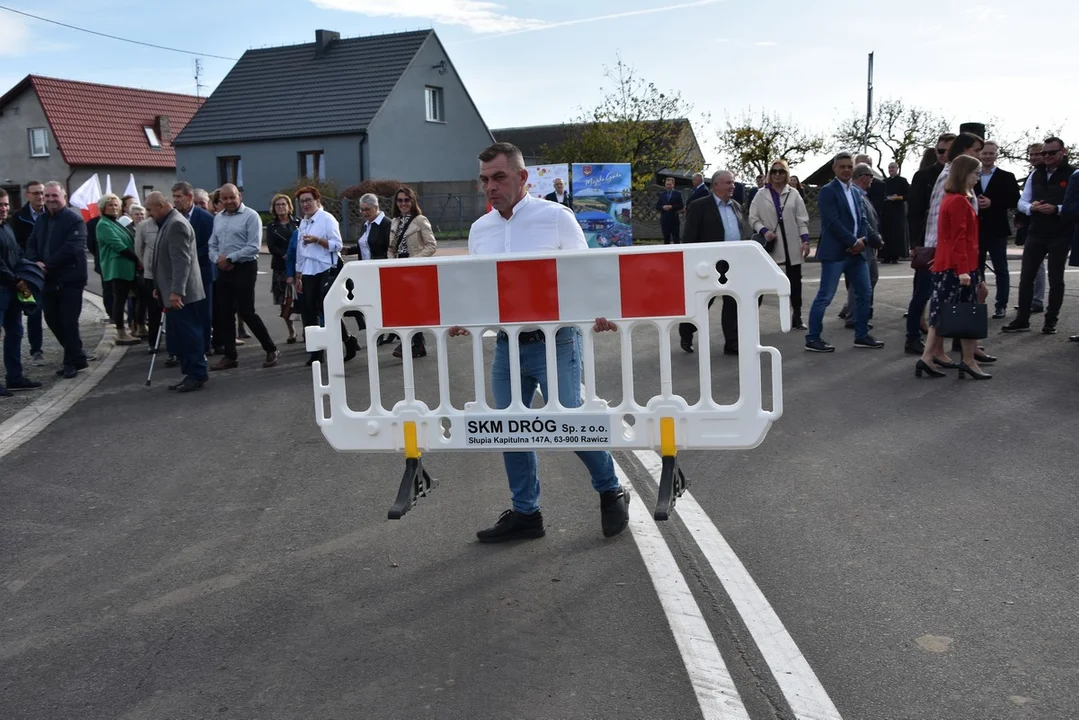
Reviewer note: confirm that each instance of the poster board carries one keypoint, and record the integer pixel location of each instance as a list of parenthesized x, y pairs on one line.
[(541, 179), (602, 203)]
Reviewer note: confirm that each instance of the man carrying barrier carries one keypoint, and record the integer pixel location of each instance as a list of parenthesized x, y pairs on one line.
[(540, 296)]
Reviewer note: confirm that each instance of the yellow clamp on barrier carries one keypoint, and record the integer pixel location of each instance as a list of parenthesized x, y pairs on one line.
[(666, 437), (412, 447)]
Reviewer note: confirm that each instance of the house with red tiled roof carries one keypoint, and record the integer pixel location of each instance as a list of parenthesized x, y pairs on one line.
[(65, 130)]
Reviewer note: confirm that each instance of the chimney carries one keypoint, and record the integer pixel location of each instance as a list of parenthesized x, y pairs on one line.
[(323, 40), (161, 127)]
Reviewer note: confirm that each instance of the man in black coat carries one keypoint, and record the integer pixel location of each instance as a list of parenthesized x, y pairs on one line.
[(716, 218), (58, 246), (22, 224), (669, 206), (699, 189), (998, 193), (921, 191), (559, 195)]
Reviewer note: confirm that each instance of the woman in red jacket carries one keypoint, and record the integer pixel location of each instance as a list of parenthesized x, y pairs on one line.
[(955, 264)]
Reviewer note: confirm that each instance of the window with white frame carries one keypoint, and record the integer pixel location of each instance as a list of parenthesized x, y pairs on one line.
[(313, 165), (39, 142), (230, 170), (436, 108), (151, 137)]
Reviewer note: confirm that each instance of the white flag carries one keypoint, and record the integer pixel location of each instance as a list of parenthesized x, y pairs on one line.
[(86, 198), (108, 184), (132, 189)]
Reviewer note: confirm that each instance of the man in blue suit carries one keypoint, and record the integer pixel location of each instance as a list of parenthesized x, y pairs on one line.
[(202, 222), (841, 252), (669, 206), (699, 191)]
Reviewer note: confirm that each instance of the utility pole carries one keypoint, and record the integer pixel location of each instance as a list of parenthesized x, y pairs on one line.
[(868, 108), (198, 78)]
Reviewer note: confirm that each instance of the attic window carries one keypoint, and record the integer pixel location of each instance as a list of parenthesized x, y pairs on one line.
[(151, 137), (39, 142), (436, 110)]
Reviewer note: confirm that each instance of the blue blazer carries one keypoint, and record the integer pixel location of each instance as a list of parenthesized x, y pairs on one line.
[(837, 225), (202, 223)]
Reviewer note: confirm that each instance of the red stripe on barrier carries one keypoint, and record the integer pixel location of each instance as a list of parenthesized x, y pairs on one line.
[(527, 291), (410, 296), (653, 285)]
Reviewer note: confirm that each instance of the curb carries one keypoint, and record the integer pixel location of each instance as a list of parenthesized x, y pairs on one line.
[(31, 420)]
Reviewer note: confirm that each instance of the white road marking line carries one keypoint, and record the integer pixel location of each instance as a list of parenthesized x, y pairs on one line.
[(712, 683), (35, 417), (796, 679)]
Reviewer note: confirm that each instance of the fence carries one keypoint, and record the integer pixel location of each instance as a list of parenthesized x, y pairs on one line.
[(658, 287)]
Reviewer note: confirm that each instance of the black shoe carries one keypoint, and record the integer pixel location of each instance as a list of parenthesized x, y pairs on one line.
[(172, 361), (687, 344), (946, 365), (190, 385), (352, 346), (965, 370), (1073, 338), (1037, 309), (614, 511), (1049, 329), (921, 367), (1016, 327), (67, 372), (980, 357), (868, 342), (23, 383), (174, 386), (916, 347), (4, 392), (850, 326), (797, 324), (819, 346), (513, 525), (843, 314), (386, 339), (999, 313), (312, 358), (730, 349)]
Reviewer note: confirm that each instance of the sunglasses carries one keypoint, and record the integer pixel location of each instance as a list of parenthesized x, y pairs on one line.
[(404, 200), (941, 151), (1047, 153), (777, 171)]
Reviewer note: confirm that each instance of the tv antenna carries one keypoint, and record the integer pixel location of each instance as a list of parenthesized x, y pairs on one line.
[(198, 78)]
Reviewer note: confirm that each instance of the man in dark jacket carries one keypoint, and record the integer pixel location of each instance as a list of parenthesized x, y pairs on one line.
[(202, 222), (58, 246), (998, 194), (22, 224), (11, 287)]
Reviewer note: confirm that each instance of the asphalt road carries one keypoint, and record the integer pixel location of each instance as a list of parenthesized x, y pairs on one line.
[(209, 555)]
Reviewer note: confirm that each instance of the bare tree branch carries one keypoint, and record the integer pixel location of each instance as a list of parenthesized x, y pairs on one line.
[(751, 142)]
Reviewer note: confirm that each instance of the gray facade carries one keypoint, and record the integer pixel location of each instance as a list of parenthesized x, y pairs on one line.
[(395, 140), (18, 167)]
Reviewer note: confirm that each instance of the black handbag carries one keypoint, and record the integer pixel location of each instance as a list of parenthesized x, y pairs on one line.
[(964, 320)]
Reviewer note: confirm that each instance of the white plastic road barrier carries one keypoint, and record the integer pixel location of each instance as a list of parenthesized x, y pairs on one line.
[(658, 286)]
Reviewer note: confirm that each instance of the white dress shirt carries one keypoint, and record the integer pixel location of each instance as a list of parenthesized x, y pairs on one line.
[(534, 226), (849, 192), (364, 244), (312, 258)]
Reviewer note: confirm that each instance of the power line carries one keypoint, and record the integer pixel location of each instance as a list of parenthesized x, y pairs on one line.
[(114, 37)]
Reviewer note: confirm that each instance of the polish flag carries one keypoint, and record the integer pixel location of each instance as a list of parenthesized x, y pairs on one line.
[(86, 197), (132, 189)]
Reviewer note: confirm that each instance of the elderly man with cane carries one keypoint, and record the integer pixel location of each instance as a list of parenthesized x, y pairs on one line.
[(178, 284)]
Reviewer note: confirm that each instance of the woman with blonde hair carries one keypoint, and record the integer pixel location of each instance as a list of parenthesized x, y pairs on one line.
[(955, 263), (278, 236), (787, 241), (410, 236), (118, 261)]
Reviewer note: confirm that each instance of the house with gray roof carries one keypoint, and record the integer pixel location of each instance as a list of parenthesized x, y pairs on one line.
[(346, 110)]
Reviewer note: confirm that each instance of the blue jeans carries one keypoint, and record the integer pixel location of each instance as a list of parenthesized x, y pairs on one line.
[(857, 273), (184, 328), (11, 317), (521, 466), (923, 290)]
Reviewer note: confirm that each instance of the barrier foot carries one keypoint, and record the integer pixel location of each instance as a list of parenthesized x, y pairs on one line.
[(672, 483), (415, 483)]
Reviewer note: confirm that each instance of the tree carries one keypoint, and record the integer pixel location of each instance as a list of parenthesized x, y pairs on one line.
[(750, 143), (1013, 146), (635, 123), (895, 131)]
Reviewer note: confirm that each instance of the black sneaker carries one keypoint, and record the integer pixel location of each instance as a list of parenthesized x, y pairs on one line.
[(614, 511), (513, 525), (4, 392), (797, 324), (850, 326), (1016, 327), (868, 342), (914, 347), (819, 346), (23, 383), (1037, 309), (1047, 329), (999, 313)]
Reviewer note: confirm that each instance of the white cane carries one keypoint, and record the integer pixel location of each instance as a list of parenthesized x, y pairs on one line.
[(157, 346)]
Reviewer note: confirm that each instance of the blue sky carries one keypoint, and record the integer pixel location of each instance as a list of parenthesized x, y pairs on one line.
[(537, 63)]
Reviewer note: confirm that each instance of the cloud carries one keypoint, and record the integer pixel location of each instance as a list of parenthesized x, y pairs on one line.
[(16, 36), (476, 15), (764, 43), (484, 18)]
